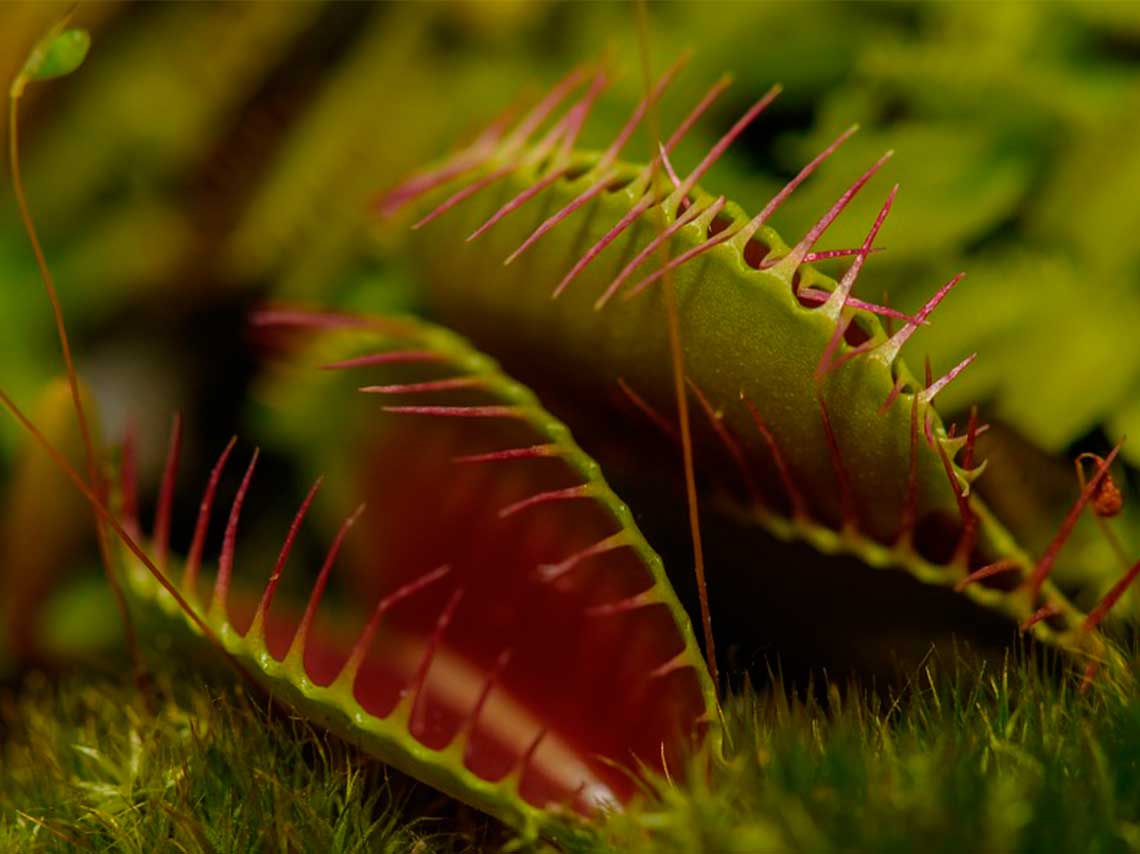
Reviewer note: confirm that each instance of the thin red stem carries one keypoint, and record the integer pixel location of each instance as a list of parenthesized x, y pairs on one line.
[(1045, 564), (167, 495), (91, 454), (229, 540), (416, 718), (286, 547), (383, 606), (659, 420), (799, 505), (1111, 598), (194, 558), (531, 452), (988, 571), (300, 639), (729, 442), (584, 490)]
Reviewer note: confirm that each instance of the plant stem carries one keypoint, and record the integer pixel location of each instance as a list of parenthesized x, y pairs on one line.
[(93, 475), (678, 359)]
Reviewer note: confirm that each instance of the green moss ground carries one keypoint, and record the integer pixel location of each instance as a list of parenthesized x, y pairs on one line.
[(85, 766), (995, 761), (1003, 761)]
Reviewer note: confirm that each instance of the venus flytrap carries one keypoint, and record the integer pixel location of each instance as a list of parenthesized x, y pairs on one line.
[(817, 430), (510, 637), (416, 684), (436, 678)]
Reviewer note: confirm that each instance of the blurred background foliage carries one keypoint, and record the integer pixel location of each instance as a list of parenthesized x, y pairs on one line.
[(210, 157)]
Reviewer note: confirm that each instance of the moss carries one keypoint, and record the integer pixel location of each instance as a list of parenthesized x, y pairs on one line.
[(1012, 760), (963, 760), (86, 766)]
